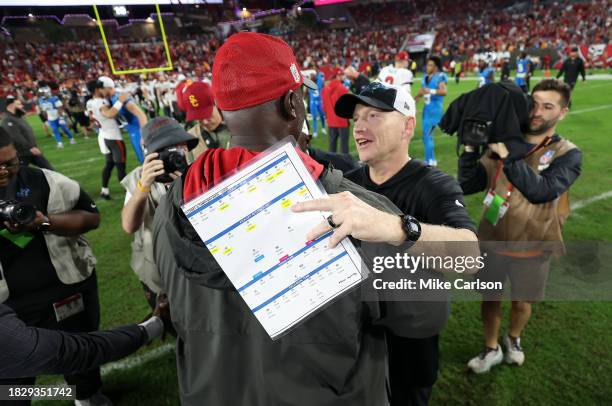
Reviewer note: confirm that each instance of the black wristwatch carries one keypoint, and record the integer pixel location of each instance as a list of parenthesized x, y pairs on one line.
[(411, 227)]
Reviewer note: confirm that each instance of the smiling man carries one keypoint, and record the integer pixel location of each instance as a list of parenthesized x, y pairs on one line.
[(534, 190), (432, 203)]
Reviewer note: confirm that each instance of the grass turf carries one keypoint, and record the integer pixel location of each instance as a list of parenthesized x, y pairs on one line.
[(568, 361)]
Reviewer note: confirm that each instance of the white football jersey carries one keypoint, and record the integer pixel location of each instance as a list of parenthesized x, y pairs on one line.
[(109, 129), (398, 77)]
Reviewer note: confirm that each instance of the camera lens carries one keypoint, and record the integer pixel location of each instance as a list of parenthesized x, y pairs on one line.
[(23, 214)]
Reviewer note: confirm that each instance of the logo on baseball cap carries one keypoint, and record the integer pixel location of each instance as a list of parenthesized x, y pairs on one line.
[(252, 68), (197, 99), (380, 96)]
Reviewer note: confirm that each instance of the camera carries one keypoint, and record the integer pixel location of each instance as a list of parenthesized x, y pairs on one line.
[(497, 112), (174, 160), (16, 213), (476, 132)]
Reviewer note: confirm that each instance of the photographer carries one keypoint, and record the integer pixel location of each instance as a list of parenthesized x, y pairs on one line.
[(23, 135), (48, 269), (145, 186), (526, 202)]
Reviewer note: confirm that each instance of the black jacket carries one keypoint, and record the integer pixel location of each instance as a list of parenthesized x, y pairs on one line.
[(536, 187), (29, 351), (343, 162), (572, 68), (21, 133)]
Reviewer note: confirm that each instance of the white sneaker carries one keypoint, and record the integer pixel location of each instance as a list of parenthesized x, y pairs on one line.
[(98, 399), (72, 141), (60, 145), (514, 354), (487, 359)]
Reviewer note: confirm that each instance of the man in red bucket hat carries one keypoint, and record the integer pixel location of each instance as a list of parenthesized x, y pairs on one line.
[(224, 355)]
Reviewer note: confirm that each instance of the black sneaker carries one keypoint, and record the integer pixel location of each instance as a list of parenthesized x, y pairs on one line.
[(105, 196)]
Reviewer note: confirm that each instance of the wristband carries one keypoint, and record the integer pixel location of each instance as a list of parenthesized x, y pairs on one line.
[(153, 328), (117, 106), (433, 91), (143, 189)]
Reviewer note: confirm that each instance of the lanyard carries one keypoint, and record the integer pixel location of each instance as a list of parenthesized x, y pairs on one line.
[(545, 142)]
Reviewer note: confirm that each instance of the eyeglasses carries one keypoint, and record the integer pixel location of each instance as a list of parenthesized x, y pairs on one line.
[(12, 164)]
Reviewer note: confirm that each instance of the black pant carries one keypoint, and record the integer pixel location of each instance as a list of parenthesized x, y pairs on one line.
[(87, 383), (413, 369), (116, 158), (38, 160), (334, 134)]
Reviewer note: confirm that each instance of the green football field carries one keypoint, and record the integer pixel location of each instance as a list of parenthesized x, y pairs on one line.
[(568, 358)]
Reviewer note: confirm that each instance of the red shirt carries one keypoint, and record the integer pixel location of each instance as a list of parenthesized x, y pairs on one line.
[(331, 93)]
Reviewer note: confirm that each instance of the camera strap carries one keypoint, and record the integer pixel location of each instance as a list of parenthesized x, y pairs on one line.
[(21, 240), (497, 205)]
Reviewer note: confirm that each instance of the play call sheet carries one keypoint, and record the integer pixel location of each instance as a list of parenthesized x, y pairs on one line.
[(261, 245)]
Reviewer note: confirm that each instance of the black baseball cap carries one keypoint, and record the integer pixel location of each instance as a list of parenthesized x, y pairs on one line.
[(377, 95), (9, 99), (163, 132)]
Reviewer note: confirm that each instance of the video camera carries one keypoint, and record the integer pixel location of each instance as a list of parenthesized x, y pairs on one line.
[(16, 212), (497, 112)]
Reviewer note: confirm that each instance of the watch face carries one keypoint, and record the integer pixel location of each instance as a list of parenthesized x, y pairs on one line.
[(412, 227)]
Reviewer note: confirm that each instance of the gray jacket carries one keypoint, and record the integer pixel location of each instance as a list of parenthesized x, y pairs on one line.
[(21, 133), (225, 357)]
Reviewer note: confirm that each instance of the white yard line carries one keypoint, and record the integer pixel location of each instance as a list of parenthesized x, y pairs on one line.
[(131, 362), (76, 163), (138, 360), (577, 205), (602, 107)]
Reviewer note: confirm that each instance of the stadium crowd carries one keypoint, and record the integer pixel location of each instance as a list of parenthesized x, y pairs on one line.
[(461, 31)]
